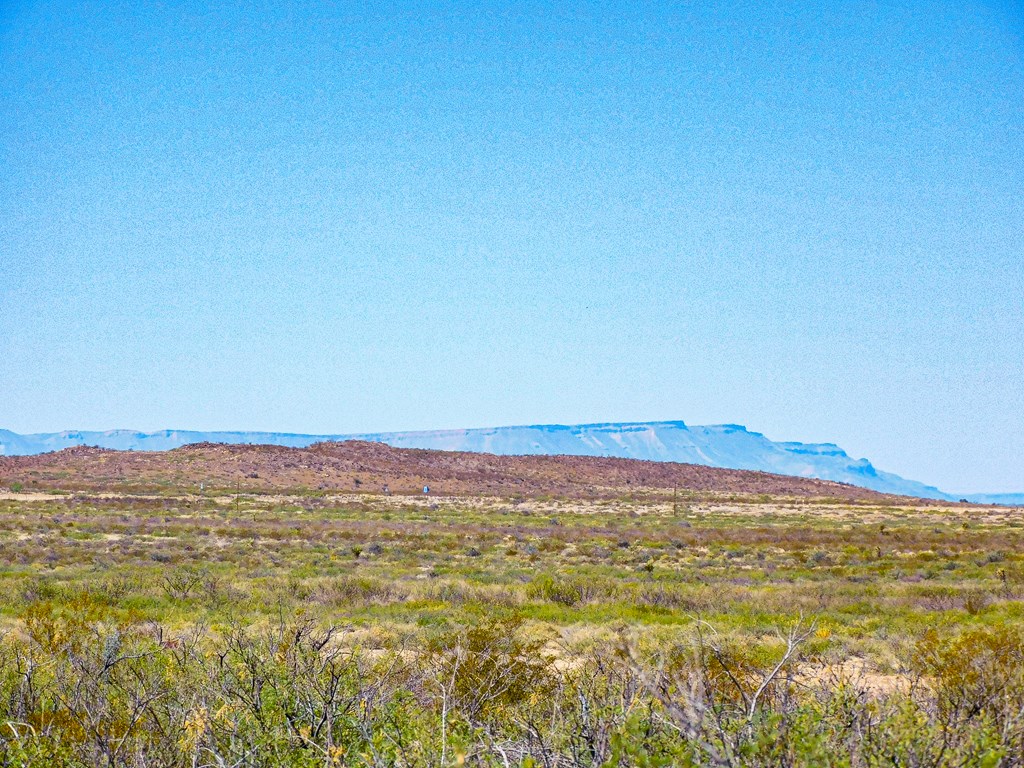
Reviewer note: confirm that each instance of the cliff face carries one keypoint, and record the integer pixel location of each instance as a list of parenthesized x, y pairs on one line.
[(358, 465), (726, 445)]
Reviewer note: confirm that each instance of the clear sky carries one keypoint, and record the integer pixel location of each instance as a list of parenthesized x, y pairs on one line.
[(331, 217)]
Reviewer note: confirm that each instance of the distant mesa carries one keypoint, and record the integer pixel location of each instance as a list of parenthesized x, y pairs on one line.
[(729, 446)]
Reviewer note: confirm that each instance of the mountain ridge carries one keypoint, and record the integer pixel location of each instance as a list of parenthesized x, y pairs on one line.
[(727, 446), (361, 466)]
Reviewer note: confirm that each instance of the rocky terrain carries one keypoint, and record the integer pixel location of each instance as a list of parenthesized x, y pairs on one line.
[(372, 467), (730, 446)]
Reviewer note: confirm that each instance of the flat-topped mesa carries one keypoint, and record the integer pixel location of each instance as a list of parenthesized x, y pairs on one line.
[(731, 446)]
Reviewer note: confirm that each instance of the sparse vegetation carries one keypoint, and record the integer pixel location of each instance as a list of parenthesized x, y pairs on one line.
[(307, 628)]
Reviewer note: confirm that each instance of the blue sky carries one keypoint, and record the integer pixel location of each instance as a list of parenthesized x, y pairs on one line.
[(806, 218)]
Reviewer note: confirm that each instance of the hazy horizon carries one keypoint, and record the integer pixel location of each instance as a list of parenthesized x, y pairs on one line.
[(803, 218), (822, 472)]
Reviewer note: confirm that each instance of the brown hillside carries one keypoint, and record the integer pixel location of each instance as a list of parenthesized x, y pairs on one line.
[(364, 466)]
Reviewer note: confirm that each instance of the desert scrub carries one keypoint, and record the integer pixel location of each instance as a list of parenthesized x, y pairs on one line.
[(78, 688), (173, 630), (568, 590)]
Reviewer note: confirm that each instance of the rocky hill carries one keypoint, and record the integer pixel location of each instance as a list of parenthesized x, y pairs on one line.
[(367, 466), (728, 445)]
